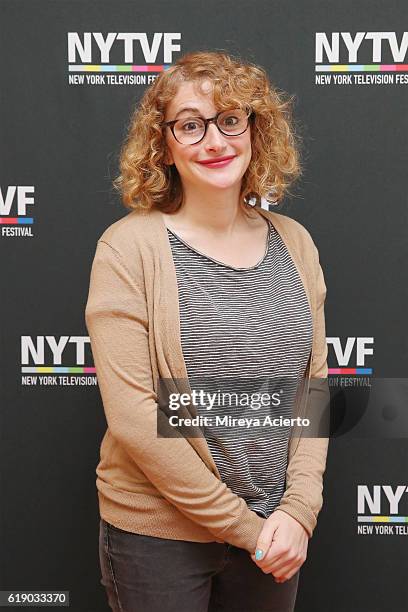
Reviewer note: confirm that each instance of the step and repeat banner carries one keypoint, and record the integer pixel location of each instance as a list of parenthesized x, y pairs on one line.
[(72, 72)]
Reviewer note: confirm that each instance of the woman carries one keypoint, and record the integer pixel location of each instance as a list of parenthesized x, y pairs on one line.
[(196, 283)]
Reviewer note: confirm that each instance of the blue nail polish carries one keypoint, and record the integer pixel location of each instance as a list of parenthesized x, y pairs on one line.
[(258, 554)]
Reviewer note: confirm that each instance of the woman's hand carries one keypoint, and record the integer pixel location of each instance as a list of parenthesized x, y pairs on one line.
[(283, 541)]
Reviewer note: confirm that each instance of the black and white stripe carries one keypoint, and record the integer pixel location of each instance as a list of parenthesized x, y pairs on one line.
[(244, 323)]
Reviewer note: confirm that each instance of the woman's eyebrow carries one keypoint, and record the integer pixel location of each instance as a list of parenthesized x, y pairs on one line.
[(189, 109)]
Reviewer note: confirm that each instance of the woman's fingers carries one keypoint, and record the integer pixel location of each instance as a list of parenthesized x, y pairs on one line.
[(264, 543)]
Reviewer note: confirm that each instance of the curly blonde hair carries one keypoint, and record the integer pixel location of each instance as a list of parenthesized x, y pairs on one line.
[(146, 181)]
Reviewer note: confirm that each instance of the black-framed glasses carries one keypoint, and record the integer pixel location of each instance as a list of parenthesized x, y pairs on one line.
[(191, 130)]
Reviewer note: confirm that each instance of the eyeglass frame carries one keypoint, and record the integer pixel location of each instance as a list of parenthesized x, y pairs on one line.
[(172, 123)]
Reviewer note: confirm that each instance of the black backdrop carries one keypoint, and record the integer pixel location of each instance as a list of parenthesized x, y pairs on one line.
[(59, 147)]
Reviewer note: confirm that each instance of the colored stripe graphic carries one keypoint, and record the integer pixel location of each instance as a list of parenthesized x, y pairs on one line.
[(16, 220), (361, 67), (57, 370), (382, 519), (350, 370), (117, 68)]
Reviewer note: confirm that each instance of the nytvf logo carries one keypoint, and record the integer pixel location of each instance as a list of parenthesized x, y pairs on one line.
[(351, 352), (14, 200), (128, 47), (53, 351), (383, 509), (15, 218), (362, 47)]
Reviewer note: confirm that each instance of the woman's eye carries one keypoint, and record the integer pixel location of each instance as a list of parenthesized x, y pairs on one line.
[(190, 126), (230, 120)]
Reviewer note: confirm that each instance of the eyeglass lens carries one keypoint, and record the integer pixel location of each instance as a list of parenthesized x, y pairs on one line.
[(191, 129)]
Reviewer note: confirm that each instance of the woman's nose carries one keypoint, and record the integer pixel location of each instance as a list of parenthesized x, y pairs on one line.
[(213, 137)]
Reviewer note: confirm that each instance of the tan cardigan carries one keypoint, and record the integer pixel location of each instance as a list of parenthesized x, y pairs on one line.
[(170, 487)]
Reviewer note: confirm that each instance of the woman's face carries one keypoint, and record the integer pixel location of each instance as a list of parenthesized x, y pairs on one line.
[(187, 157)]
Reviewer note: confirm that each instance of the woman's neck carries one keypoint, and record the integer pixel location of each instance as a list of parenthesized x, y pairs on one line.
[(217, 212)]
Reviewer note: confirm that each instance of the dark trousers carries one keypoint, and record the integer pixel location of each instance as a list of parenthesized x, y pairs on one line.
[(148, 574)]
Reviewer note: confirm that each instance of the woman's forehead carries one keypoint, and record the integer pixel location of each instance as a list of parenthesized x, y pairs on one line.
[(192, 96), (202, 87)]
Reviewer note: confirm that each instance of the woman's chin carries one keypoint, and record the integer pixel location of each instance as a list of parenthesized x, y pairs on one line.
[(220, 183)]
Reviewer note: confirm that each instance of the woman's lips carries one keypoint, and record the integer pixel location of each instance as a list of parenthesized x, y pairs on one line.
[(217, 164)]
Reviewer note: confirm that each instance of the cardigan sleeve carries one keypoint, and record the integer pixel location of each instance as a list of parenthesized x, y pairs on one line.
[(303, 496), (117, 323)]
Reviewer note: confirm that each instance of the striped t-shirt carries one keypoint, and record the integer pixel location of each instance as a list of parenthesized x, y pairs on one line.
[(244, 323)]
